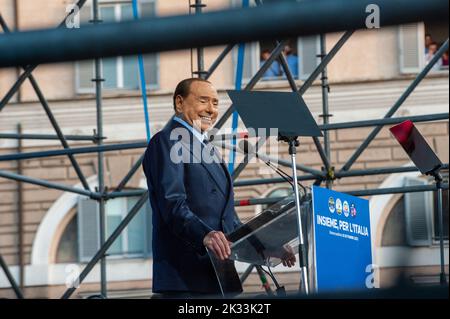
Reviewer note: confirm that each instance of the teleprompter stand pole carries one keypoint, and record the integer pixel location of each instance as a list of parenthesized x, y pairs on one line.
[(293, 143)]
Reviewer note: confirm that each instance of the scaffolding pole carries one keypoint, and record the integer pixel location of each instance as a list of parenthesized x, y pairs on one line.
[(22, 136), (10, 278), (325, 112), (100, 158)]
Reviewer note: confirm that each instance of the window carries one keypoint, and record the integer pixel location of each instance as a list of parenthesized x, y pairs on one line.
[(301, 55), (418, 42), (134, 241), (118, 72), (414, 219)]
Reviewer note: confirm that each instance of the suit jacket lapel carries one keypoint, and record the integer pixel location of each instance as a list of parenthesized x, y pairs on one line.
[(196, 148)]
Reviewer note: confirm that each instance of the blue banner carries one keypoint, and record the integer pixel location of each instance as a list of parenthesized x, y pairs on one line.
[(343, 255)]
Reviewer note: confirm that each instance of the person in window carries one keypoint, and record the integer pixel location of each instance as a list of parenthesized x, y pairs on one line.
[(274, 71), (428, 41), (432, 49), (292, 60), (445, 60)]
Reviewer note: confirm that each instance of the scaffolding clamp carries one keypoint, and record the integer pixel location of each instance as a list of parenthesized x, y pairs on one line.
[(329, 174)]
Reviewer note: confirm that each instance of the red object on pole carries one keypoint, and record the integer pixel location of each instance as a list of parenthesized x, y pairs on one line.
[(402, 131), (244, 202)]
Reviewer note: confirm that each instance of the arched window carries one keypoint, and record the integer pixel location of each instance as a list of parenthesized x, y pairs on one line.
[(80, 239), (413, 220)]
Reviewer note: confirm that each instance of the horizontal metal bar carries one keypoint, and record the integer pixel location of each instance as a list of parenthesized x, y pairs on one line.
[(365, 192), (385, 121), (271, 21), (46, 137), (353, 173), (78, 150), (266, 158), (395, 190), (257, 201), (379, 171), (274, 180), (125, 193), (44, 183), (356, 124)]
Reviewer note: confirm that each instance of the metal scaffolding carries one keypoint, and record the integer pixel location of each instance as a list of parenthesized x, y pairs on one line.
[(28, 49)]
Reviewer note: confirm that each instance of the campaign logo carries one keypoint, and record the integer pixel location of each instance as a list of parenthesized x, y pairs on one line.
[(338, 206), (346, 208), (331, 205), (353, 210)]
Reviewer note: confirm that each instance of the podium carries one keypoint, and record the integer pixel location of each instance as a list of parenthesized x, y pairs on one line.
[(337, 239), (265, 238), (261, 240)]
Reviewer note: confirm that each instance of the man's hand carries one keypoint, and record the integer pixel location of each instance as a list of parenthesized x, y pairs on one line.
[(217, 243), (288, 258), (286, 254)]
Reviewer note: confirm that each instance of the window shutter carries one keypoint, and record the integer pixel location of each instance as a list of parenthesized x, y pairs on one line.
[(411, 47), (251, 61), (85, 69), (147, 9), (88, 229), (418, 214), (308, 48), (151, 69)]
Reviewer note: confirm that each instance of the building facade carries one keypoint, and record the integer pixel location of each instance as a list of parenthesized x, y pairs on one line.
[(58, 234)]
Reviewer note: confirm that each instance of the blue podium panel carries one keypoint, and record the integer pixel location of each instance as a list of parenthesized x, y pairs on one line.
[(342, 241)]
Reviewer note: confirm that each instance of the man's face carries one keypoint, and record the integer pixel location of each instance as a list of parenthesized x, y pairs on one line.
[(432, 49), (201, 107)]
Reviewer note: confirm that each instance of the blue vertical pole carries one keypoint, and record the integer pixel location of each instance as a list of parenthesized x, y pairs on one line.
[(238, 86), (142, 78)]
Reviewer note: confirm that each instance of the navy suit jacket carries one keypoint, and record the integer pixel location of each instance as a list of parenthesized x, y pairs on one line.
[(188, 200)]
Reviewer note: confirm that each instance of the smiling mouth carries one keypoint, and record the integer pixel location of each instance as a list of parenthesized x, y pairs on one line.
[(206, 119)]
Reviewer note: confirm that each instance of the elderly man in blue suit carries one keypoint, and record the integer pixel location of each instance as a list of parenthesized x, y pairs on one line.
[(191, 195)]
